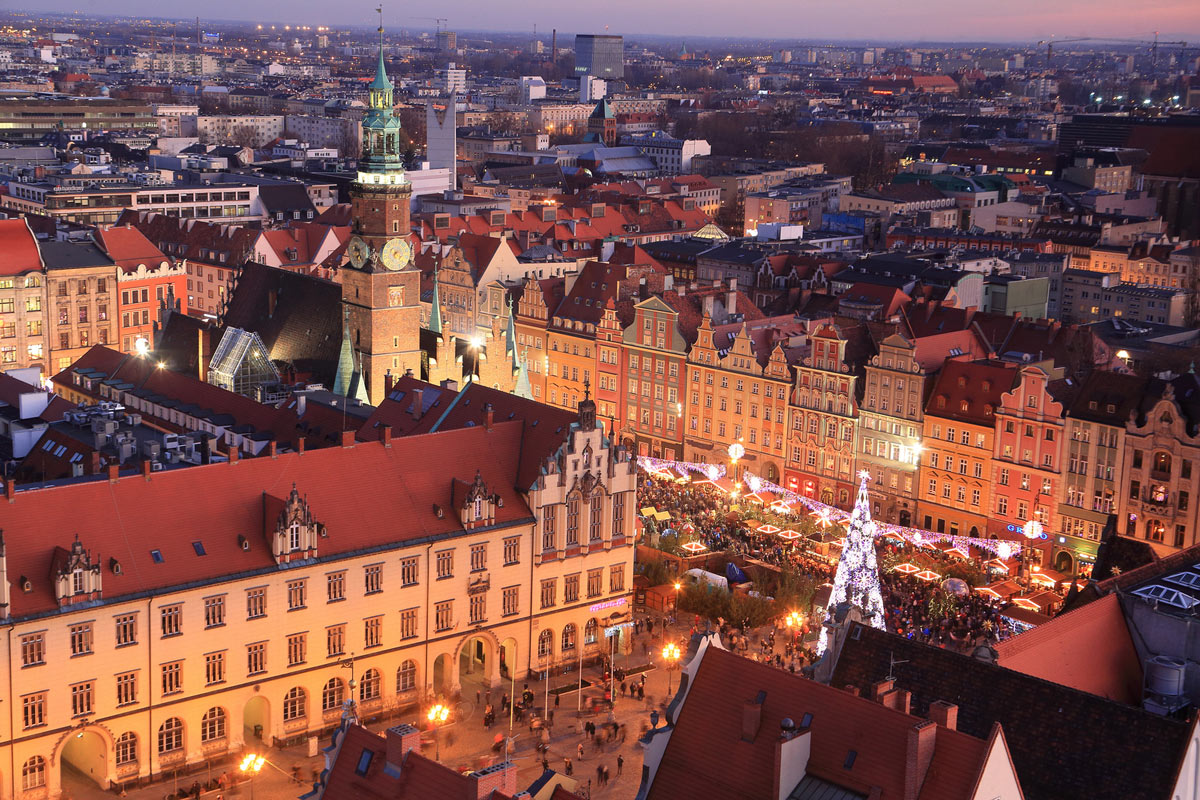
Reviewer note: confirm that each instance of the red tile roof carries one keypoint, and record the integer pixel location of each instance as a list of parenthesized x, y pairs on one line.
[(19, 248), (978, 385), (366, 496), (1089, 649), (129, 248), (708, 758)]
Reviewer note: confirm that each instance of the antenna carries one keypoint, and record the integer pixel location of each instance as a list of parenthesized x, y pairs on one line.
[(892, 662)]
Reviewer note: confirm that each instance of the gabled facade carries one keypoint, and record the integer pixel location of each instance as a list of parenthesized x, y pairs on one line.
[(655, 366)]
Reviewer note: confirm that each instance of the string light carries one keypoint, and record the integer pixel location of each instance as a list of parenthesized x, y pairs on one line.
[(857, 578)]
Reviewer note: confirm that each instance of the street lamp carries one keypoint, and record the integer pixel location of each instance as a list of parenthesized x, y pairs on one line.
[(437, 715), (670, 653), (252, 765)]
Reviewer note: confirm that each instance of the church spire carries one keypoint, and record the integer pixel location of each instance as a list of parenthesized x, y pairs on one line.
[(382, 81), (345, 367), (435, 314)]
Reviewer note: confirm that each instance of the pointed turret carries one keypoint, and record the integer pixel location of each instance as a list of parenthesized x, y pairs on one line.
[(435, 313), (523, 387), (510, 338), (345, 367)]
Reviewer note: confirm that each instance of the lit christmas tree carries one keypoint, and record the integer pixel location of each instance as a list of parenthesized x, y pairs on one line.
[(857, 578)]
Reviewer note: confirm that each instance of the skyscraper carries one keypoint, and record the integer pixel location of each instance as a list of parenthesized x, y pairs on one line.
[(600, 55)]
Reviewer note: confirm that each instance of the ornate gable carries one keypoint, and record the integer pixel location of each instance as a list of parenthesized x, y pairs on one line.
[(76, 576), (478, 506), (292, 531)]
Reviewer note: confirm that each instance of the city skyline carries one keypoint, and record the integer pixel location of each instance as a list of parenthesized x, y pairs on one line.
[(939, 21)]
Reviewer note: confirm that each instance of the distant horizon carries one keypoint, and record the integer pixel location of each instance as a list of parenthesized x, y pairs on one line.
[(875, 22)]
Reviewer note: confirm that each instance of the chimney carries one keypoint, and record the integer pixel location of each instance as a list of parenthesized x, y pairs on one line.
[(234, 453), (301, 404), (752, 716), (792, 750), (399, 740), (146, 467), (114, 471), (944, 714), (450, 385), (498, 778), (880, 688), (10, 489), (488, 416), (708, 306), (389, 381), (94, 463), (418, 405), (921, 740), (899, 699), (272, 450), (300, 445), (347, 438), (385, 435)]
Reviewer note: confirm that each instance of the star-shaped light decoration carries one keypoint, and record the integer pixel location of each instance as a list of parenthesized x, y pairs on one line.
[(863, 475)]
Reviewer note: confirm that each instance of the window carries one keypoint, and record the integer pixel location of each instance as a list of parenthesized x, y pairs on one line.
[(214, 611), (212, 725), (335, 586), (297, 592), (445, 564), (256, 603), (568, 637), (508, 601), (616, 578), (172, 677), (406, 677), (256, 658), (81, 639), (214, 668), (33, 649), (590, 632), (443, 614), (478, 557), (333, 695), (477, 608), (408, 572), (297, 645), (295, 704), (595, 519), (33, 773), (33, 710), (126, 688), (372, 578), (548, 591), (371, 686), (545, 643), (335, 640), (126, 748), (549, 527), (571, 588), (573, 521), (1002, 505), (1003, 479), (408, 623), (512, 551), (373, 631)]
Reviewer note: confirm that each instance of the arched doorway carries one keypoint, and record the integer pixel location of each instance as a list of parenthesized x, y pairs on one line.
[(772, 472), (1064, 562), (508, 657), (905, 518), (440, 685), (256, 720), (475, 665), (84, 760)]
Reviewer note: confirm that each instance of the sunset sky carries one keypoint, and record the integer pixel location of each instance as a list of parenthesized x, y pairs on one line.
[(933, 20)]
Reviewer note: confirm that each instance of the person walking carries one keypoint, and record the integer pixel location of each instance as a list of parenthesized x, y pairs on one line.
[(606, 775), (580, 750), (620, 765), (599, 774), (568, 767)]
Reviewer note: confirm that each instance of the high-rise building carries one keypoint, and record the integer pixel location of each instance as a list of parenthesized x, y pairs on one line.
[(600, 55), (446, 41), (381, 287), (451, 80)]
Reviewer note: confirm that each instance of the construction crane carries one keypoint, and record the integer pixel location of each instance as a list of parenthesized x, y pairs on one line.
[(1154, 43), (438, 22)]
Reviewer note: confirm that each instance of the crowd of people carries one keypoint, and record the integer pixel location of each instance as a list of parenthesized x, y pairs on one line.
[(921, 610)]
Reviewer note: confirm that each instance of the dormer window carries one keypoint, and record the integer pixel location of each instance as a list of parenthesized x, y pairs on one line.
[(77, 583), (294, 541)]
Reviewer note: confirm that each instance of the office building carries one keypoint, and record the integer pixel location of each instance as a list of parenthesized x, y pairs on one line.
[(600, 55)]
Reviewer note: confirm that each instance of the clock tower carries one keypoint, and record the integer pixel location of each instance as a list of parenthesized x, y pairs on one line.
[(381, 287)]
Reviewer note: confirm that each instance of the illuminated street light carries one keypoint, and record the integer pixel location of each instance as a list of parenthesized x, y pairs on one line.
[(251, 765), (670, 654), (437, 715)]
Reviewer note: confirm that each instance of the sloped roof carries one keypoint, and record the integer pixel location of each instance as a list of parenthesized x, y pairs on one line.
[(1064, 743), (366, 496), (129, 248), (20, 248), (706, 756), (979, 385), (1089, 649)]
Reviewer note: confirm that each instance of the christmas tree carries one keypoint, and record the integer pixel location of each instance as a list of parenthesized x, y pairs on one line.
[(857, 578)]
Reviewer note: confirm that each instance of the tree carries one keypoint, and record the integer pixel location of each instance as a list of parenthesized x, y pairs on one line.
[(857, 579)]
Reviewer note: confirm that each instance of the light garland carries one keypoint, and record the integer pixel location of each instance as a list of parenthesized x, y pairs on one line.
[(710, 472)]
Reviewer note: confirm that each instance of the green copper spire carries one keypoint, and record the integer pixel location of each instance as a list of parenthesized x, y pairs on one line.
[(345, 367), (435, 315)]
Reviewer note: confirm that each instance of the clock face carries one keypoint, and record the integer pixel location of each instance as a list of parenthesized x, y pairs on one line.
[(396, 254), (359, 252)]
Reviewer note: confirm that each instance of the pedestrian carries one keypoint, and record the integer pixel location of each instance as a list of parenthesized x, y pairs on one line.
[(622, 688), (606, 775), (599, 774), (580, 750), (478, 697), (568, 767), (620, 764), (641, 691), (556, 700)]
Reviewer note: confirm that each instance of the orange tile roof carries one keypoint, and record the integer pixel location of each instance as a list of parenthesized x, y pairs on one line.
[(367, 496), (706, 756), (129, 248), (20, 248)]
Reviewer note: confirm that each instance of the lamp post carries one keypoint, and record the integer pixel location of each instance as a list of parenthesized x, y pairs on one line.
[(794, 621), (437, 715), (252, 765), (670, 654)]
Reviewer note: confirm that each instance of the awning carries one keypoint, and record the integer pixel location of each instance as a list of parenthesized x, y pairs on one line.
[(906, 568), (693, 547), (790, 534), (767, 528), (927, 575)]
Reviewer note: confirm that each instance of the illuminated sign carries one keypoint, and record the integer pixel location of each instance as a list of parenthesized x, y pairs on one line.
[(618, 602)]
